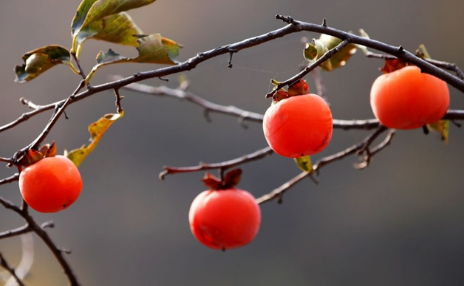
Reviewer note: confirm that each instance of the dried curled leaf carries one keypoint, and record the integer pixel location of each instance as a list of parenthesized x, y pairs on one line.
[(40, 60), (339, 59), (320, 46), (314, 51), (96, 130)]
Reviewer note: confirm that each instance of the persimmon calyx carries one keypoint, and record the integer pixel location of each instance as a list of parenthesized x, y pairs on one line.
[(32, 156), (299, 87), (230, 180)]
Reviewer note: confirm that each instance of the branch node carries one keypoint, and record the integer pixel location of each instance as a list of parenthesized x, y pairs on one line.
[(457, 124), (47, 224), (200, 56), (207, 117), (241, 121), (64, 250), (286, 19), (163, 174), (324, 22), (230, 65)]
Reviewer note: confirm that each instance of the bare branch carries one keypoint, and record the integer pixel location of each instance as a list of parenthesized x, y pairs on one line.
[(15, 232), (11, 179), (310, 67), (444, 65), (222, 165), (278, 192)]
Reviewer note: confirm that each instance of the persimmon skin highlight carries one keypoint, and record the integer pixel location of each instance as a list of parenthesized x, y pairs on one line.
[(298, 126), (409, 99), (51, 184), (224, 219)]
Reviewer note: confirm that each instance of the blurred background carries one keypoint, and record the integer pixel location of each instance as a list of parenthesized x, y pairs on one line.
[(398, 222)]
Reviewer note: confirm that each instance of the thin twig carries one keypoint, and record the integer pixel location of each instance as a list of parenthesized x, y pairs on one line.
[(10, 179), (259, 154), (15, 232), (278, 192), (309, 68)]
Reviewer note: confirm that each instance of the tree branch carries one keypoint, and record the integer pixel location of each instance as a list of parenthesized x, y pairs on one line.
[(15, 232), (278, 192), (259, 154)]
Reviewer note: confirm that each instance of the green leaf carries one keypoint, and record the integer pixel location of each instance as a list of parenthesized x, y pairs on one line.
[(304, 163), (40, 60), (118, 28), (442, 127), (152, 49), (96, 130), (91, 11)]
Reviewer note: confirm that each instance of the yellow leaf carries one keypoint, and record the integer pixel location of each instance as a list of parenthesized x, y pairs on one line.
[(442, 127), (96, 130)]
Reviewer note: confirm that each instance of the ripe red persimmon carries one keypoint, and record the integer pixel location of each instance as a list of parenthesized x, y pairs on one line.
[(408, 99), (51, 184), (298, 126), (224, 219)]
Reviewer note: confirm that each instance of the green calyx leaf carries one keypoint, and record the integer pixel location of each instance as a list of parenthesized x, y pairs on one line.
[(153, 49), (40, 60), (304, 163), (90, 21), (96, 130)]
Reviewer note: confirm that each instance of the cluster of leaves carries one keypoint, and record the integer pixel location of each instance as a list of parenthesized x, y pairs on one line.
[(104, 20)]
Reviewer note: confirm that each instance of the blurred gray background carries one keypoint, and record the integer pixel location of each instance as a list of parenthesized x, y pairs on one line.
[(399, 222)]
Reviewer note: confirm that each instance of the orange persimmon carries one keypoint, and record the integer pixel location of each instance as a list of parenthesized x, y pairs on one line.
[(298, 125), (224, 219), (51, 184), (407, 98)]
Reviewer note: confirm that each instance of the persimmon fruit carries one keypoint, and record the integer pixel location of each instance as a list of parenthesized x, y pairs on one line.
[(298, 125), (407, 98), (51, 184), (224, 219)]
